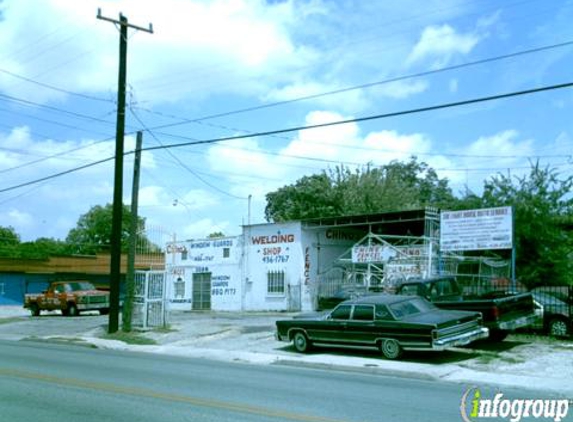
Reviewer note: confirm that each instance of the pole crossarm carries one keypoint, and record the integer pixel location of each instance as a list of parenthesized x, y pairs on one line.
[(122, 21)]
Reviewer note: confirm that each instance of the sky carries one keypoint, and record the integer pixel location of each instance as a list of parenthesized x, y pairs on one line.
[(216, 69)]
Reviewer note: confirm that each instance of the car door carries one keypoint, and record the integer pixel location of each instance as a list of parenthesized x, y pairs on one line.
[(333, 328), (361, 328)]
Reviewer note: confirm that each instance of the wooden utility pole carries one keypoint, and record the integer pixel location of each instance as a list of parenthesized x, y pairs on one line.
[(115, 240), (130, 276)]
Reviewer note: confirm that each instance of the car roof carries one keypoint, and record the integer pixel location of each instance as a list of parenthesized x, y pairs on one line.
[(380, 299), (427, 280)]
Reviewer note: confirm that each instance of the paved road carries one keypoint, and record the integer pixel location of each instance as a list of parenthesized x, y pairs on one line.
[(49, 382)]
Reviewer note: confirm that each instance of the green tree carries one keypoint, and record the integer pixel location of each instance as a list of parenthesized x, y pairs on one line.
[(93, 231), (392, 187), (543, 212), (43, 248), (9, 242), (216, 235)]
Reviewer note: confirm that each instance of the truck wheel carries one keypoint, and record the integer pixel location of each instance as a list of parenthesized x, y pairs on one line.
[(300, 342), (391, 349), (498, 335), (558, 328), (72, 310), (35, 309)]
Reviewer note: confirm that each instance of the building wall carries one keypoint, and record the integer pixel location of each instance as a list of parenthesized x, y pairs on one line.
[(274, 256), (217, 259)]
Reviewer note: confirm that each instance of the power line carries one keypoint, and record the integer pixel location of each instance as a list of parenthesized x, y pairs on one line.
[(317, 126), (182, 164), (55, 88), (377, 116), (362, 86), (54, 109)]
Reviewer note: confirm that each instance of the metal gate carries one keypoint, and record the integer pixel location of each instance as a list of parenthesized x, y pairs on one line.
[(149, 300), (201, 292)]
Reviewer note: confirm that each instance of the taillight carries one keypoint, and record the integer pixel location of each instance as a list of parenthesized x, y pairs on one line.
[(495, 312)]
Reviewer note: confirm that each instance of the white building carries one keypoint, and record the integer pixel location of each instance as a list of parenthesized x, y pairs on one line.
[(280, 267)]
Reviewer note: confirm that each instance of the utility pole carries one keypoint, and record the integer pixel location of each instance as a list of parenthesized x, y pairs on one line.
[(130, 276), (115, 240)]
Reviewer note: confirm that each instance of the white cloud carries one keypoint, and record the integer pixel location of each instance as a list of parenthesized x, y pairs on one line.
[(487, 156), (222, 45), (402, 89), (200, 229), (441, 43)]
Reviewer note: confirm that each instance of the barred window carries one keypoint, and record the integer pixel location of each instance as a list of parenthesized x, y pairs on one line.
[(276, 282), (179, 288)]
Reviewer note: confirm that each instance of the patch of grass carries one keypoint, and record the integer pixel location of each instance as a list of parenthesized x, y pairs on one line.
[(130, 338), (512, 359), (10, 320), (487, 358), (165, 330)]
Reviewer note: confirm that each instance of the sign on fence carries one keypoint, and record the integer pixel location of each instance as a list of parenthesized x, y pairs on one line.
[(467, 230)]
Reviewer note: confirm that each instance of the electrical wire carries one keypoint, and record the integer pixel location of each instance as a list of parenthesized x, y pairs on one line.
[(322, 125), (182, 164), (362, 86)]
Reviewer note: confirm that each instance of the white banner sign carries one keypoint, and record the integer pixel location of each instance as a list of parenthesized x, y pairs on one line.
[(468, 230), (372, 253)]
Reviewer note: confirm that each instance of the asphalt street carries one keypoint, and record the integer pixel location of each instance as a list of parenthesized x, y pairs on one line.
[(48, 382)]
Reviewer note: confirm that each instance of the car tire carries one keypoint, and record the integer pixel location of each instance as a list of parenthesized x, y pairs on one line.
[(35, 309), (301, 342), (391, 349), (72, 310), (558, 327), (104, 311), (497, 335)]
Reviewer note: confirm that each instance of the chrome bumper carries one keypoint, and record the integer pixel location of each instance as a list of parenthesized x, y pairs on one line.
[(460, 339), (517, 323)]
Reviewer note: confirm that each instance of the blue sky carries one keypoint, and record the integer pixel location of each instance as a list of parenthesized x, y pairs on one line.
[(58, 81)]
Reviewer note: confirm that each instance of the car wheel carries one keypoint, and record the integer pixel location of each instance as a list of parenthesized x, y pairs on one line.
[(300, 342), (72, 310), (104, 311), (391, 349), (498, 335), (558, 328), (35, 309)]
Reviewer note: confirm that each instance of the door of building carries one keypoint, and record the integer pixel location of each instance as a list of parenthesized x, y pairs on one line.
[(201, 291)]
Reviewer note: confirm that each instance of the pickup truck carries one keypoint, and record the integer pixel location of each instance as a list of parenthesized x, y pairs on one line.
[(501, 312), (70, 297)]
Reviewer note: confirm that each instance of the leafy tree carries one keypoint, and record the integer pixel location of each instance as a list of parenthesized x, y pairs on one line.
[(43, 248), (392, 187), (9, 241), (543, 213), (93, 231), (216, 235)]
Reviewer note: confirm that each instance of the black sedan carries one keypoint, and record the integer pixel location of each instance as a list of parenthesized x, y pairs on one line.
[(390, 323)]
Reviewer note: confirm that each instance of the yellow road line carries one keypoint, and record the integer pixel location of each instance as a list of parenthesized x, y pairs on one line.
[(132, 391)]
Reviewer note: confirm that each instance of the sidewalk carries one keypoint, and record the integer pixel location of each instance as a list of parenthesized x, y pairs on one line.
[(527, 362)]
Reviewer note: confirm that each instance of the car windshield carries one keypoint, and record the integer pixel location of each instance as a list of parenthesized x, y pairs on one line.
[(410, 307), (81, 285)]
